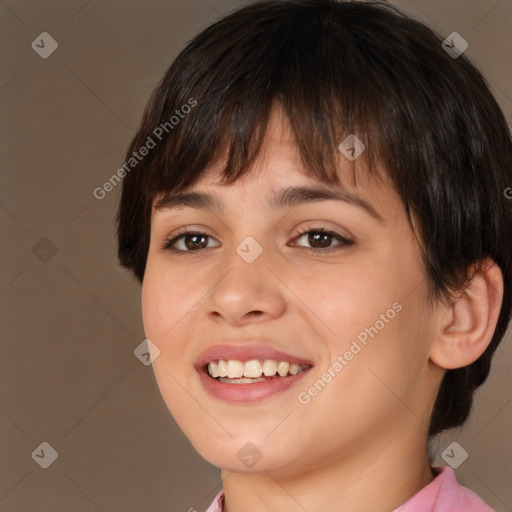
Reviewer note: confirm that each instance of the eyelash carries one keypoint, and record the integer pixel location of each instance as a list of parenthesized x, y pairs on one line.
[(345, 242)]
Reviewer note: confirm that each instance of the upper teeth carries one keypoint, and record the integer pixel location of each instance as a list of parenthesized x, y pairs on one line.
[(234, 369)]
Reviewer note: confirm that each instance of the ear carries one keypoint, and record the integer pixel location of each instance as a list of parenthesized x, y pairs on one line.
[(465, 328)]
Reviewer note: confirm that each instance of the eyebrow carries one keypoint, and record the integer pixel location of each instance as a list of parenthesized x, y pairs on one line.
[(285, 198)]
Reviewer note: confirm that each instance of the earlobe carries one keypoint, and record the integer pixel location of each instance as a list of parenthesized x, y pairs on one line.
[(466, 326)]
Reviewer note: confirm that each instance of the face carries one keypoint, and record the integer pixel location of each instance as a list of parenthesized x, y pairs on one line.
[(334, 287)]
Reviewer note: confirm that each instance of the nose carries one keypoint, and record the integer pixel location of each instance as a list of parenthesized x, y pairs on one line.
[(246, 292)]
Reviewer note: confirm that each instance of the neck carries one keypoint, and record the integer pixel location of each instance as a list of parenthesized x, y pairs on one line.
[(362, 483)]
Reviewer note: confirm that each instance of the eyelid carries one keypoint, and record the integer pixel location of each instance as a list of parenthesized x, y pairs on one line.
[(321, 229)]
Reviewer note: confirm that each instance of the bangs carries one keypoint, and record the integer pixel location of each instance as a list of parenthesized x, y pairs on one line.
[(237, 88)]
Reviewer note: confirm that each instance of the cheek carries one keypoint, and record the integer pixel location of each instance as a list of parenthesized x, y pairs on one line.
[(168, 301), (350, 299), (167, 298), (377, 302)]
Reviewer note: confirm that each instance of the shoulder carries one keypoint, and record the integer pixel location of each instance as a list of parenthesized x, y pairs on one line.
[(445, 494), (217, 504)]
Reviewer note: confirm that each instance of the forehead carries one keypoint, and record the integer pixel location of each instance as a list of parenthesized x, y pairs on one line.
[(276, 181)]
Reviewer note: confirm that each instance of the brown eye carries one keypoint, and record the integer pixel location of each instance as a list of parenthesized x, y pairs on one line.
[(320, 239), (192, 242), (188, 241)]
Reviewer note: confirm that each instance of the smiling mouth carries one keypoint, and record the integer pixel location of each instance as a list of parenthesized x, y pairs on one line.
[(233, 371)]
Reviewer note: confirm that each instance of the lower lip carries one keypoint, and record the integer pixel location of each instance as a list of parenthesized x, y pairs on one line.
[(251, 392)]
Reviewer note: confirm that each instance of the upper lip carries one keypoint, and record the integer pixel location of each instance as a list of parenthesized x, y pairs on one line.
[(246, 352)]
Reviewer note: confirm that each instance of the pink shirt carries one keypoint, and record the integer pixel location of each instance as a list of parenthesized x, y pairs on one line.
[(443, 494)]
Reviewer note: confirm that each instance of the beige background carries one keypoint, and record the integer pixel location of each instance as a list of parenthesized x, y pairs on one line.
[(71, 317)]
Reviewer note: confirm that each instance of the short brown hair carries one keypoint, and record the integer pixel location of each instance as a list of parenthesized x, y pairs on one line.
[(339, 68)]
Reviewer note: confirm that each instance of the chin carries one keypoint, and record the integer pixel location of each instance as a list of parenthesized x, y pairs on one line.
[(242, 455)]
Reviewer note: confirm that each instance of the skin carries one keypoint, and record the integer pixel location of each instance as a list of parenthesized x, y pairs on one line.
[(361, 443)]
